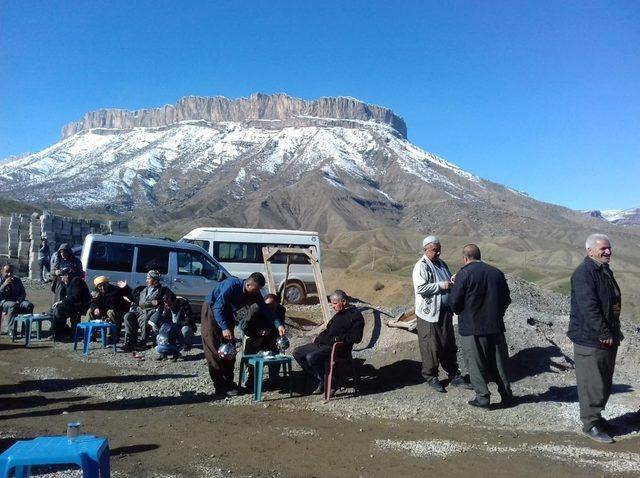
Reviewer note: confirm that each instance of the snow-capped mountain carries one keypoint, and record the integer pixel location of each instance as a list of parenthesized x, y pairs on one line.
[(330, 164)]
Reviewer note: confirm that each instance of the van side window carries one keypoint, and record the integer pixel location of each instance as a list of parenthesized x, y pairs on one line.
[(111, 256), (153, 257), (199, 242), (237, 252), (195, 264)]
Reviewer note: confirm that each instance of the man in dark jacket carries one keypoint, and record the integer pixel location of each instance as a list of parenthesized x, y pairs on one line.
[(177, 311), (44, 260), (13, 298), (64, 259), (346, 325), (219, 311), (145, 316), (110, 302), (72, 304), (480, 296), (594, 329)]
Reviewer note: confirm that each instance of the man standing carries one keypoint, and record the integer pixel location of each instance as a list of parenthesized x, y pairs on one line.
[(13, 298), (594, 329), (218, 322), (480, 296), (147, 312), (44, 258), (346, 325), (436, 337)]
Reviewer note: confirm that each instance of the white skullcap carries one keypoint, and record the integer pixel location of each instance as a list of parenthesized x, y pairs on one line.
[(430, 240)]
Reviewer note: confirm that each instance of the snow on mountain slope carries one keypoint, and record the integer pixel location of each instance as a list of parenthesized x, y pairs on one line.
[(130, 167)]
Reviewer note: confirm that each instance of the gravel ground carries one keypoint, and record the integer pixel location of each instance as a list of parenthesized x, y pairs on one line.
[(541, 369)]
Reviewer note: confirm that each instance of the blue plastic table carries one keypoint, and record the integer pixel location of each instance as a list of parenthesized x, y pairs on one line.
[(87, 451), (258, 361), (88, 328), (27, 321)]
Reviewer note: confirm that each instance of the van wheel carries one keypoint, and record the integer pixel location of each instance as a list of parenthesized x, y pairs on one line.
[(295, 293)]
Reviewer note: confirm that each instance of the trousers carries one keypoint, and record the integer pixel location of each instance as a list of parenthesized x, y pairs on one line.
[(594, 379), (12, 310), (487, 358), (312, 357), (437, 343)]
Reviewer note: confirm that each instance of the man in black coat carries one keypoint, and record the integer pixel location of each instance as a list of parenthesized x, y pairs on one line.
[(110, 302), (594, 329), (347, 326), (72, 304), (480, 296), (13, 298)]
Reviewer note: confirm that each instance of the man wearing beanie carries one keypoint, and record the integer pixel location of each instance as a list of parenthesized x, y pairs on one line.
[(436, 337), (110, 302), (147, 312)]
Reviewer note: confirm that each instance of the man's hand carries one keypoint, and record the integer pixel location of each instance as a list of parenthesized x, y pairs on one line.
[(444, 285), (154, 302), (122, 284), (96, 312), (608, 342), (453, 279), (56, 304), (227, 334), (281, 330)]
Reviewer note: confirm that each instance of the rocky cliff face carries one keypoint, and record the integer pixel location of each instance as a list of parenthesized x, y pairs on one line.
[(257, 107)]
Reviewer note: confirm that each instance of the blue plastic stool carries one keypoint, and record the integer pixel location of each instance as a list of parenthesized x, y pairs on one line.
[(28, 320), (87, 451), (88, 328), (258, 362)]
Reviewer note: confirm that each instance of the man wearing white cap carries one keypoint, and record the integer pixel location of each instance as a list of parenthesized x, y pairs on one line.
[(436, 337)]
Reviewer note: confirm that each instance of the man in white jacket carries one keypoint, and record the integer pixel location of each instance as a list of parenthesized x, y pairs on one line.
[(436, 337)]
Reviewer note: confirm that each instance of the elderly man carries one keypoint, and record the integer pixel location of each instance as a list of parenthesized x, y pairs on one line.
[(480, 296), (436, 337), (346, 325), (594, 329), (13, 298), (73, 302), (146, 315), (110, 302), (218, 318)]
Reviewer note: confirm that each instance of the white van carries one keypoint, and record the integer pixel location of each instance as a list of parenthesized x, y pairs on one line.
[(186, 269), (240, 251)]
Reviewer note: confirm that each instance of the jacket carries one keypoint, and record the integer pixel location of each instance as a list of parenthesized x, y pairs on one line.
[(76, 294), (58, 263), (257, 321), (593, 295), (228, 297), (480, 296), (149, 294), (13, 292), (345, 326), (44, 253), (184, 316), (427, 290), (112, 299)]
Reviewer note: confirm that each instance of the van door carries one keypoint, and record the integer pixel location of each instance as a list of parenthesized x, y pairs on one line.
[(151, 258), (113, 259), (196, 275)]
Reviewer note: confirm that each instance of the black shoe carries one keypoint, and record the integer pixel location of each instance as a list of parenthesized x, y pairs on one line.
[(460, 381), (127, 348), (161, 357), (175, 357), (186, 349), (596, 433), (319, 389), (231, 392), (476, 403), (436, 384), (508, 402)]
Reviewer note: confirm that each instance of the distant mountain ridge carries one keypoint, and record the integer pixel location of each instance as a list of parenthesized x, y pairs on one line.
[(621, 217), (218, 109)]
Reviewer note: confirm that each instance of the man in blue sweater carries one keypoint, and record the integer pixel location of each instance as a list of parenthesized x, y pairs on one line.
[(219, 311)]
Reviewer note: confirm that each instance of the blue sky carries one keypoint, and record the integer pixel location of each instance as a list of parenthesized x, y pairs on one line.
[(541, 96)]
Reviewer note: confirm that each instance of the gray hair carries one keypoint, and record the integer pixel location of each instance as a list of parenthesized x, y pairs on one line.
[(340, 295), (593, 238)]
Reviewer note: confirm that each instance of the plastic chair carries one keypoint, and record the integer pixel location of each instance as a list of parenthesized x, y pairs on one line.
[(87, 451), (88, 328), (258, 362), (341, 354)]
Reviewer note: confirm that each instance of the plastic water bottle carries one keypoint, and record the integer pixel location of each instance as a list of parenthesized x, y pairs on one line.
[(73, 430)]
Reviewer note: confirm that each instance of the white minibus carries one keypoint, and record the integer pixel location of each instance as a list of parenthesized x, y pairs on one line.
[(240, 252)]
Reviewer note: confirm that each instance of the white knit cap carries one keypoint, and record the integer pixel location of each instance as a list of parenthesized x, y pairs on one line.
[(430, 240)]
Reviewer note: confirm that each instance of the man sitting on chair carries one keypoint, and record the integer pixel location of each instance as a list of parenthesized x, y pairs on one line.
[(347, 326), (72, 304), (13, 298), (110, 302)]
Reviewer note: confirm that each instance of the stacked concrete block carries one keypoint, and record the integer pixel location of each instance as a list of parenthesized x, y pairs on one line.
[(13, 236), (4, 234), (35, 231)]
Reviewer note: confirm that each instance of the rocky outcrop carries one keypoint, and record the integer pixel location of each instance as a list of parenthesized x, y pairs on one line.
[(257, 107)]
